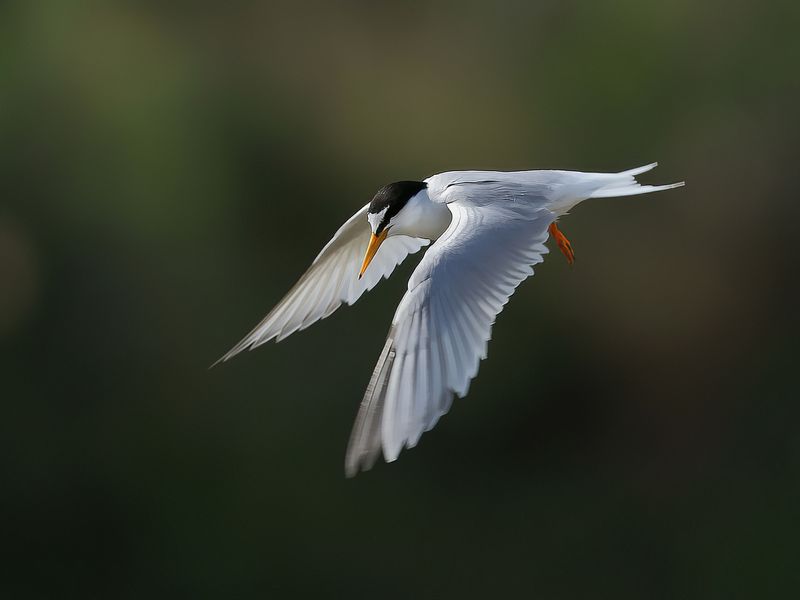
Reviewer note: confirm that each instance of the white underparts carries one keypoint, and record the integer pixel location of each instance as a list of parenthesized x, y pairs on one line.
[(421, 218)]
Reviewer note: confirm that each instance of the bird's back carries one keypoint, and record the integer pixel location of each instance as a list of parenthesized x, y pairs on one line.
[(545, 188), (558, 191)]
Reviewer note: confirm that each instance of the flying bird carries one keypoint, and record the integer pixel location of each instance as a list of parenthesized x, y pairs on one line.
[(487, 230)]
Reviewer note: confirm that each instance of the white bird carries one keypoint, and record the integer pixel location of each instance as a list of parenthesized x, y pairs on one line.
[(488, 229)]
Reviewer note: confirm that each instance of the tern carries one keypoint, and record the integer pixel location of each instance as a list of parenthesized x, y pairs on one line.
[(487, 230)]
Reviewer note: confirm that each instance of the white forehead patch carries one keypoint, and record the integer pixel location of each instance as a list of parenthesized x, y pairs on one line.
[(375, 219)]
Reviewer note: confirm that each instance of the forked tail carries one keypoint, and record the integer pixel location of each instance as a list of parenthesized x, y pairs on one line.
[(625, 184)]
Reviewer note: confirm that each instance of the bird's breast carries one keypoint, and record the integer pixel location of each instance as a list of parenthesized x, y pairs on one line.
[(437, 218), (423, 218)]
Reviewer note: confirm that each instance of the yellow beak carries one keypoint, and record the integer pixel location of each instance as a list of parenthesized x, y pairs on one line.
[(374, 243)]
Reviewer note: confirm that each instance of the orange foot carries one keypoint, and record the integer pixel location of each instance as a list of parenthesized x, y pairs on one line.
[(563, 243)]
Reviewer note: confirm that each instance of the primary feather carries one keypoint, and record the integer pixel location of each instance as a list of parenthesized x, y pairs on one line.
[(332, 279)]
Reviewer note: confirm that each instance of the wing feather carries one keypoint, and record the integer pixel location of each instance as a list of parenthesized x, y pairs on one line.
[(331, 280), (442, 327)]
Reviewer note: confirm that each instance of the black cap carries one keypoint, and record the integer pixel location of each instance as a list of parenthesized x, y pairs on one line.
[(393, 197)]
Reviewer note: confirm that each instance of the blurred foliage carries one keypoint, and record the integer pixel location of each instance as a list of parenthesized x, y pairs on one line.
[(169, 168)]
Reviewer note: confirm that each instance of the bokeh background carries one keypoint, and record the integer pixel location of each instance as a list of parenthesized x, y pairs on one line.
[(169, 169)]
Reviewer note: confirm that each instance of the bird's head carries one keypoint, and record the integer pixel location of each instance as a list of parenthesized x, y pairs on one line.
[(390, 213)]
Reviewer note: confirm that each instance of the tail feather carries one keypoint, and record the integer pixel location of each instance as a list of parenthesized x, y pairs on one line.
[(633, 189), (639, 170), (625, 184)]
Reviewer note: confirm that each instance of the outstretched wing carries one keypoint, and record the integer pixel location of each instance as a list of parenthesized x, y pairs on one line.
[(442, 326), (331, 280)]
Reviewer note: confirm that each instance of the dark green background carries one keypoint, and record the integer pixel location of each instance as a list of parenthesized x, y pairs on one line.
[(169, 169)]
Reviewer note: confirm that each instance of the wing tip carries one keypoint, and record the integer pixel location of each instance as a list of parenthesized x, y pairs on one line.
[(247, 344), (228, 355), (361, 463)]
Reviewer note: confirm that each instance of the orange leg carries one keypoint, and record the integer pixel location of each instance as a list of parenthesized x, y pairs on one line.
[(563, 242)]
